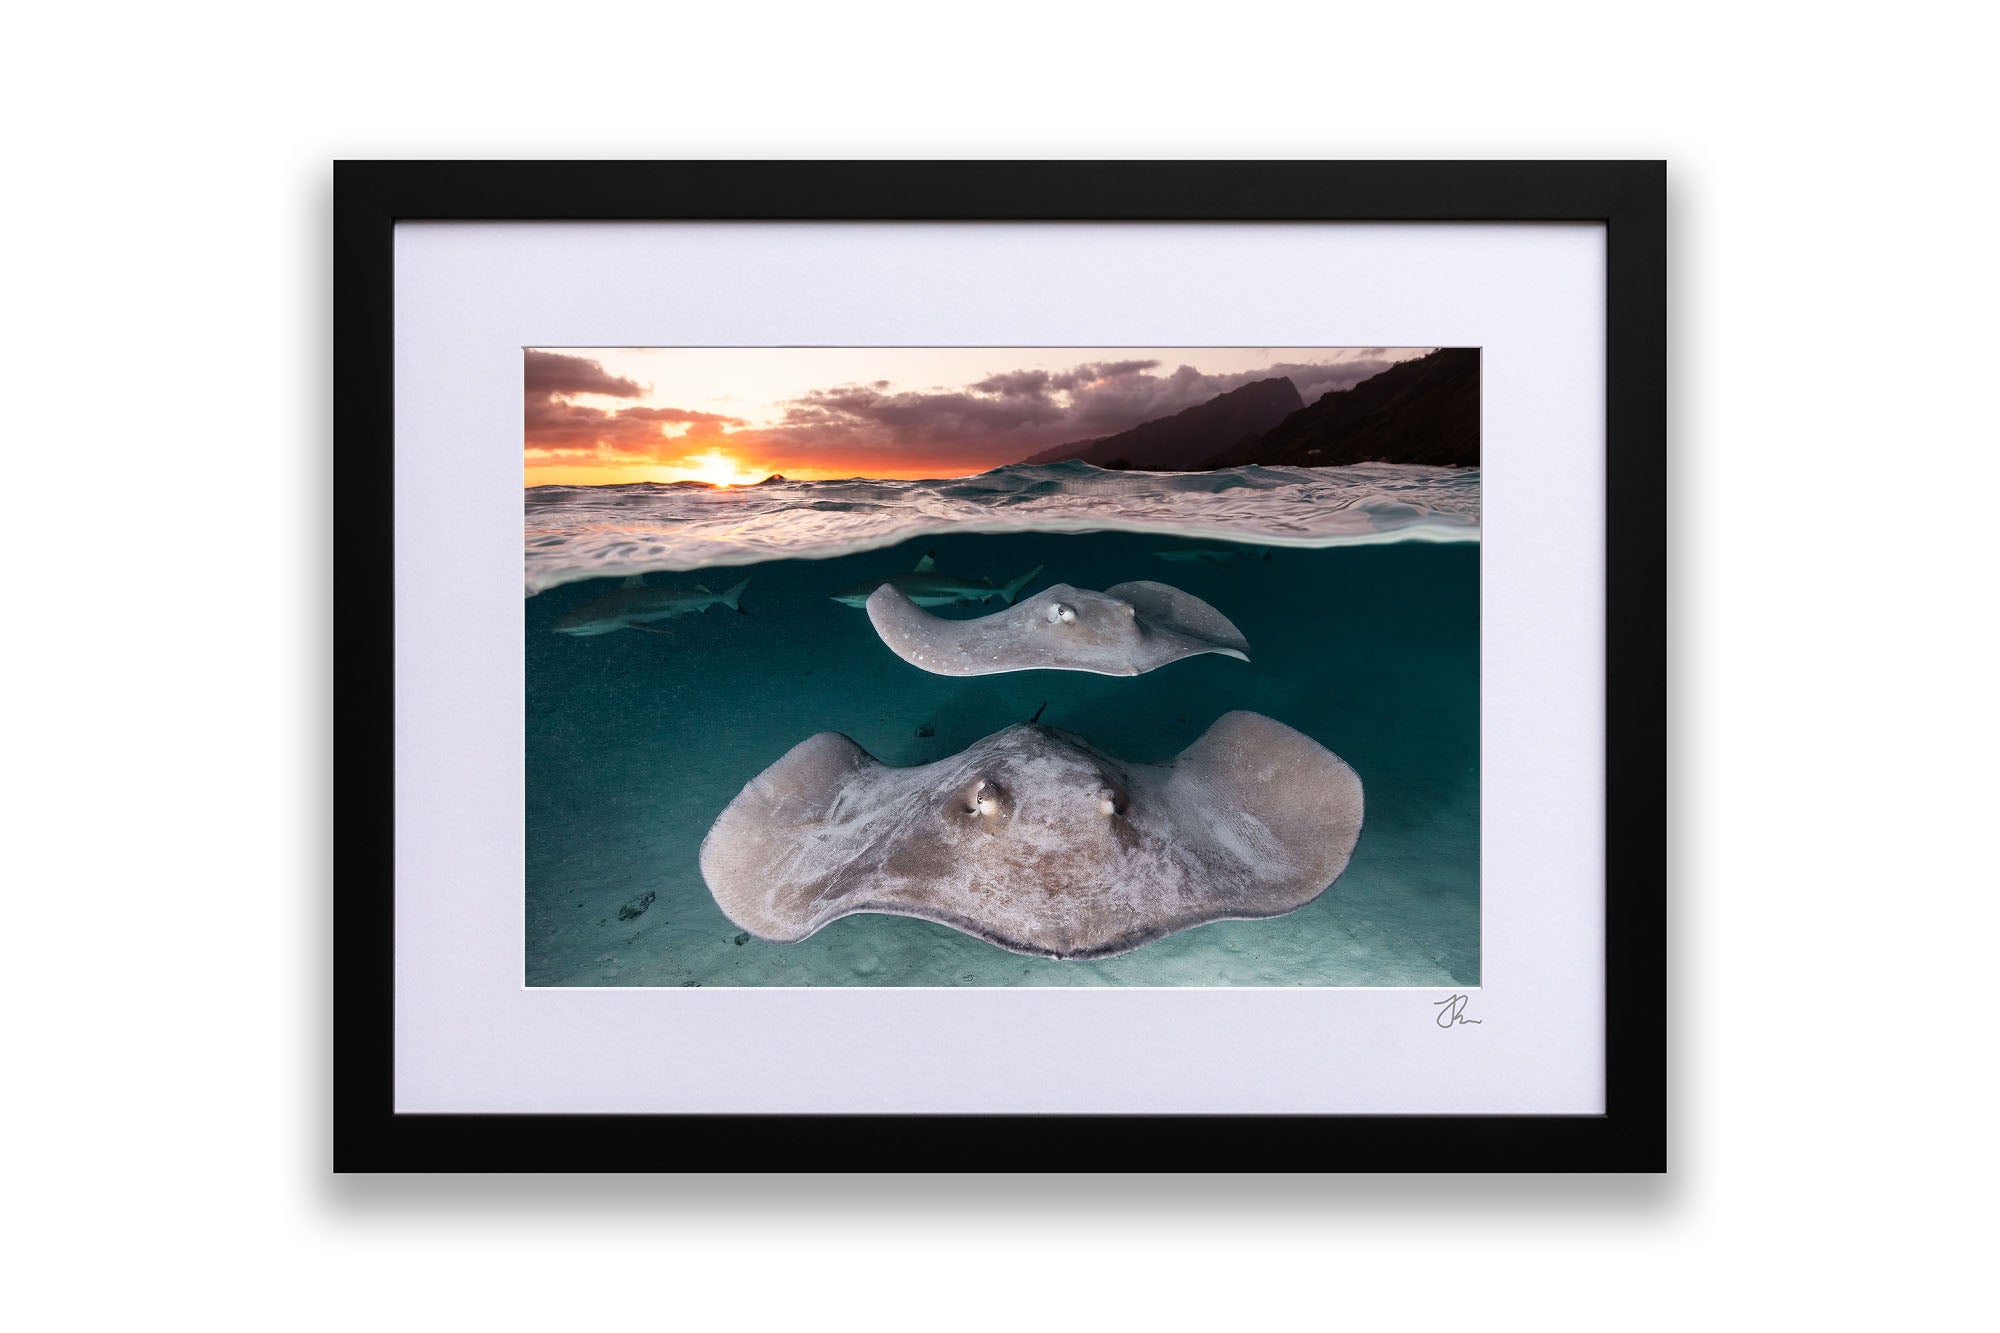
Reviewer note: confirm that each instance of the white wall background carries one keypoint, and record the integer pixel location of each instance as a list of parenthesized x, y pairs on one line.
[(167, 341)]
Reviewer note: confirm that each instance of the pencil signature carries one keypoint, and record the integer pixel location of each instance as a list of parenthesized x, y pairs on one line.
[(1453, 1011)]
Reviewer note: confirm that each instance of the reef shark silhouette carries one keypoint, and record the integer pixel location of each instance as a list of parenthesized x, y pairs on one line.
[(633, 605), (927, 585)]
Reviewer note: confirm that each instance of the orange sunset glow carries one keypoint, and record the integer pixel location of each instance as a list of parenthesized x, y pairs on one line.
[(734, 416), (713, 467)]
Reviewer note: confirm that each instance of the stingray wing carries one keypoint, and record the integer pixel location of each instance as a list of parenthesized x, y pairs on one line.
[(829, 831), (1274, 813), (1181, 623), (776, 853)]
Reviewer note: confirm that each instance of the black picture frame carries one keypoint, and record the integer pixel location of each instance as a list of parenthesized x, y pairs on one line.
[(1627, 197)]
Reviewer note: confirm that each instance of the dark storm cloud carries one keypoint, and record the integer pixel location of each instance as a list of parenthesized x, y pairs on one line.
[(559, 430)]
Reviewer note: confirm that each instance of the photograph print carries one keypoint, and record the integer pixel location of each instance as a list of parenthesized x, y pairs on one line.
[(1002, 666)]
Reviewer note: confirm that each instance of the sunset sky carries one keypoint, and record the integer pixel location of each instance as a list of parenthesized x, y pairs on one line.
[(598, 415)]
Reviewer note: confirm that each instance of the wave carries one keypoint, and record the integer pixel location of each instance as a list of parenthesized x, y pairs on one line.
[(584, 532)]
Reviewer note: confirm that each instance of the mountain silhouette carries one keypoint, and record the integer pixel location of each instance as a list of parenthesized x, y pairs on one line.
[(1420, 411), (1185, 441)]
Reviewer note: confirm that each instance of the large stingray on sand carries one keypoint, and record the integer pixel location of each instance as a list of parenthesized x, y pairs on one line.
[(1032, 840), (1124, 631)]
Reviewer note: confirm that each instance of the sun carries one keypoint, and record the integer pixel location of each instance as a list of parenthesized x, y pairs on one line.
[(717, 469)]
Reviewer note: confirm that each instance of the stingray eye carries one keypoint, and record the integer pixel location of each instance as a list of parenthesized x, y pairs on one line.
[(1059, 613), (987, 799), (1109, 801)]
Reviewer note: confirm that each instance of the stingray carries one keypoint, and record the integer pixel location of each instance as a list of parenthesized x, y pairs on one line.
[(1032, 840), (1125, 631)]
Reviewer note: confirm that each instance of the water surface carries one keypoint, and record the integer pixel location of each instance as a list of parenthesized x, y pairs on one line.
[(580, 532)]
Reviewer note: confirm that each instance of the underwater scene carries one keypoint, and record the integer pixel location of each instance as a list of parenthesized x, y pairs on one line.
[(1054, 724)]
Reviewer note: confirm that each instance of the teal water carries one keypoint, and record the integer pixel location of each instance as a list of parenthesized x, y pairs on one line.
[(636, 741)]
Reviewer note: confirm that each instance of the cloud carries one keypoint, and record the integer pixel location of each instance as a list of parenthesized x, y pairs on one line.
[(1100, 372), (866, 416), (1012, 384), (1037, 383), (561, 430), (553, 373)]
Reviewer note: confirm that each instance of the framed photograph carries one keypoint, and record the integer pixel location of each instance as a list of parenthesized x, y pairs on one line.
[(1015, 664)]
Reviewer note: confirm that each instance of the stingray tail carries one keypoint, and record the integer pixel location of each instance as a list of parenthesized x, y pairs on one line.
[(732, 599), (1014, 588)]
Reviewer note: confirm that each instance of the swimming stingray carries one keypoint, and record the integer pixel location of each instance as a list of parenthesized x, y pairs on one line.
[(1123, 631), (1034, 841)]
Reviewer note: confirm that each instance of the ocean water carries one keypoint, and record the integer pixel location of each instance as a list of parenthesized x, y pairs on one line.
[(1357, 588), (580, 532)]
